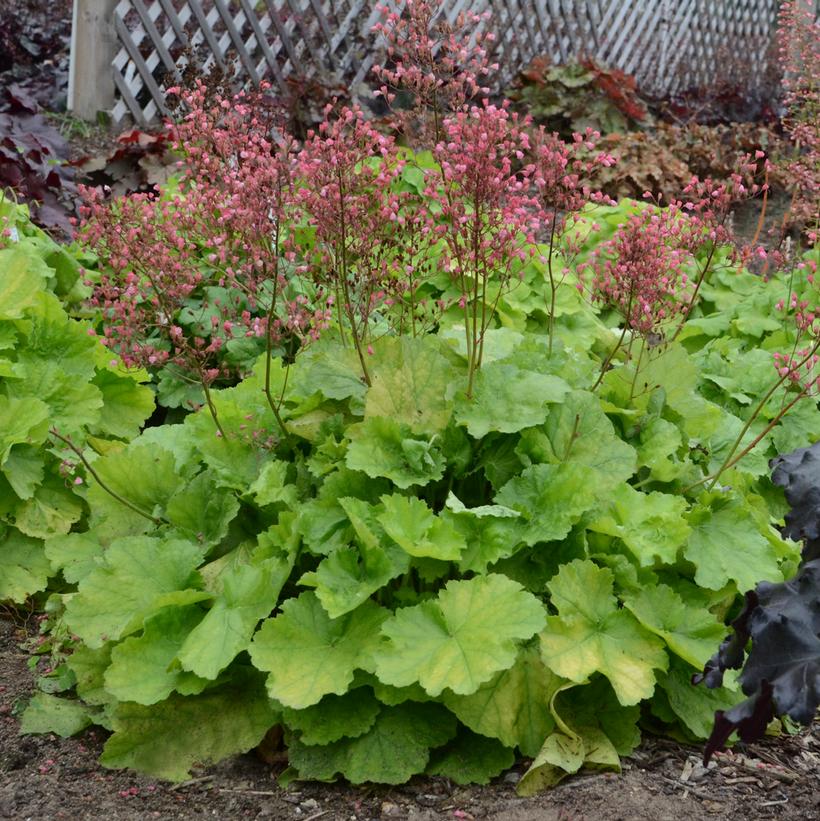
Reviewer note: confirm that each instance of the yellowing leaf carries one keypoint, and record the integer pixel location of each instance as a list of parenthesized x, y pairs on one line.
[(461, 638), (591, 635), (513, 706), (308, 655), (651, 525), (414, 527), (691, 633), (410, 381)]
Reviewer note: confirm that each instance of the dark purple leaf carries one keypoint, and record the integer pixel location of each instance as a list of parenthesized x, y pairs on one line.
[(781, 673)]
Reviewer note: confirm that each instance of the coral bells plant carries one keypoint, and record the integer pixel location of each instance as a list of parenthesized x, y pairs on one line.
[(488, 214), (560, 177), (192, 270), (441, 67), (641, 273), (346, 173)]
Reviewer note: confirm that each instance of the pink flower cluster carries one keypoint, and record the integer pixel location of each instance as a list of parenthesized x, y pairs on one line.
[(346, 174), (641, 270), (800, 369), (488, 213), (442, 67)]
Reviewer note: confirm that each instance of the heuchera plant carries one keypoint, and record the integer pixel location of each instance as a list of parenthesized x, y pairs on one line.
[(444, 517)]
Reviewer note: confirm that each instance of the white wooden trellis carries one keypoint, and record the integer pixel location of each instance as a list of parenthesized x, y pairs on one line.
[(668, 45)]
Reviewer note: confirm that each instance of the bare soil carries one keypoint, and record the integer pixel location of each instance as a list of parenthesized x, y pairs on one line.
[(47, 777)]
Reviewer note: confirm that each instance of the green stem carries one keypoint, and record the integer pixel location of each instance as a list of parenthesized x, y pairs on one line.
[(553, 286), (637, 370)]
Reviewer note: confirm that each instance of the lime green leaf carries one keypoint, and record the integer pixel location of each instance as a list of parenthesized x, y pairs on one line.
[(54, 340), (145, 475), (126, 405), (551, 498), (201, 510), (508, 399), (335, 717), (695, 707), (799, 428), (178, 440), (410, 381), (513, 706), (24, 568), (165, 740), (136, 577), (499, 343), (383, 447), (89, 666), (310, 655), (24, 469), (591, 635), (236, 458), (651, 525), (142, 668), (722, 442), (677, 374), (659, 442), (415, 528), (394, 749), (73, 404), (461, 638), (395, 695), (75, 554), (577, 430), (332, 370), (50, 511), (272, 486), (490, 532), (756, 316), (324, 526), (498, 458), (50, 714), (471, 759), (249, 594), (351, 574), (23, 279), (692, 633), (726, 545), (22, 421)]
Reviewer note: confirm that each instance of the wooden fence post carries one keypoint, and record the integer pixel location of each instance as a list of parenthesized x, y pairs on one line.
[(93, 47)]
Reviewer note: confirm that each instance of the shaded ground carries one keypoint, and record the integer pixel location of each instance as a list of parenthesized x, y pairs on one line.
[(46, 777)]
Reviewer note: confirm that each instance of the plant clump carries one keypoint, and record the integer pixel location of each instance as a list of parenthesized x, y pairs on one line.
[(472, 463)]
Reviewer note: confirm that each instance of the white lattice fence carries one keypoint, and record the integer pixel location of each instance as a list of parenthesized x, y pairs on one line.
[(667, 44)]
